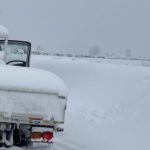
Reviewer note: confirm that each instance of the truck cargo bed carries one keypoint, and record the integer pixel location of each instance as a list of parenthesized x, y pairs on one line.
[(31, 108)]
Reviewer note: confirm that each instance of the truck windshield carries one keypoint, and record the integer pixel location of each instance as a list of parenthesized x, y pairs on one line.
[(17, 52)]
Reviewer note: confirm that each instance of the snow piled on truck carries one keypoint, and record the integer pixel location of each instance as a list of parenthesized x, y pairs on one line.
[(31, 80)]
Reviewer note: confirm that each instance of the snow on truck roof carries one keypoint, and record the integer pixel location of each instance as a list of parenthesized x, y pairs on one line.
[(13, 78), (3, 32)]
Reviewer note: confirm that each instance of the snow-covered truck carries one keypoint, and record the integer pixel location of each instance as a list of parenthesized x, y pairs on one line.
[(32, 101)]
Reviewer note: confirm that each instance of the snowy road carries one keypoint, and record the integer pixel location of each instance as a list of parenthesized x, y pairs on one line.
[(108, 104)]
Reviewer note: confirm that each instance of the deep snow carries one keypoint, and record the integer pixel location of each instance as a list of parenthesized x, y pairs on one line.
[(108, 104)]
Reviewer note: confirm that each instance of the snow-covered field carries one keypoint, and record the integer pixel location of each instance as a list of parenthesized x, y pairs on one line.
[(108, 104)]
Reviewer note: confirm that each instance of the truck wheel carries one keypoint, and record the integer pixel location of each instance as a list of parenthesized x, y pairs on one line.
[(16, 137)]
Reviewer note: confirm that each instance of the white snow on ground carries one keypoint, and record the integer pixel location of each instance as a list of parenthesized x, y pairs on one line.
[(108, 104)]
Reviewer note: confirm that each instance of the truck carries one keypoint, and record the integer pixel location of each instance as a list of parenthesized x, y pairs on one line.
[(32, 101)]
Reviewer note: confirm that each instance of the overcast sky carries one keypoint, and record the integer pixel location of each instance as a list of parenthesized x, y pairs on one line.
[(77, 25)]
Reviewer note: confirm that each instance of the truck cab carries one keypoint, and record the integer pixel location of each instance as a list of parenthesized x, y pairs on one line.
[(17, 53)]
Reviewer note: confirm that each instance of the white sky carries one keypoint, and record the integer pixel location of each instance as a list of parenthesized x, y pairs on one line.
[(77, 25)]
